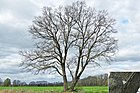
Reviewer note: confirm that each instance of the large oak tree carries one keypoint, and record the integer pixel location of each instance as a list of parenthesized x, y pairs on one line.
[(68, 39)]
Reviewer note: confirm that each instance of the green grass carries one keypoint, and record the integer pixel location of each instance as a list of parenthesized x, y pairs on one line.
[(83, 89), (94, 89)]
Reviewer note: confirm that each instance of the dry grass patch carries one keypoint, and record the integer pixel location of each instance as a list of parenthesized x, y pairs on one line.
[(28, 91)]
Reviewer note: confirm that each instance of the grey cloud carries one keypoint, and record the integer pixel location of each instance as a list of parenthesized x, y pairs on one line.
[(133, 58), (14, 37), (23, 9), (9, 72), (15, 33), (4, 53)]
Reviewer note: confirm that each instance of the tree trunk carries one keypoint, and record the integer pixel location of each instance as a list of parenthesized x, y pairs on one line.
[(73, 84), (65, 85), (133, 83)]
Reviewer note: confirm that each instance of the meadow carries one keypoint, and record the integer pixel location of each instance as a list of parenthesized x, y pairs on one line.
[(55, 89)]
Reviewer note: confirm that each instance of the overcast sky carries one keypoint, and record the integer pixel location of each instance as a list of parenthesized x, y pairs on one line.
[(17, 15)]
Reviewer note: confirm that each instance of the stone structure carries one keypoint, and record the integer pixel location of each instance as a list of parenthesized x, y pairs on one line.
[(116, 84)]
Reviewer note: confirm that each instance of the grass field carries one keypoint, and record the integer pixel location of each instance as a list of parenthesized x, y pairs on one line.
[(56, 89)]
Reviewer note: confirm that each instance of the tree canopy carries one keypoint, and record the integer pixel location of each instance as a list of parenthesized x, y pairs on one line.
[(69, 38)]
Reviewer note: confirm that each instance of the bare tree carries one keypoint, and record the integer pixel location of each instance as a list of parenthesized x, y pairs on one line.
[(68, 39)]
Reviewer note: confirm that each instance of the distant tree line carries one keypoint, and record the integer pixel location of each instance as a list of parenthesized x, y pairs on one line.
[(99, 80), (7, 82), (44, 83)]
